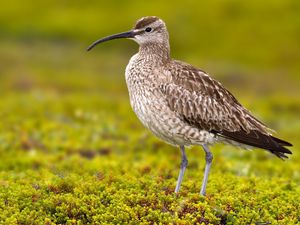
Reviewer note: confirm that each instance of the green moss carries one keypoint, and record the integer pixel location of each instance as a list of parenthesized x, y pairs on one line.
[(77, 163)]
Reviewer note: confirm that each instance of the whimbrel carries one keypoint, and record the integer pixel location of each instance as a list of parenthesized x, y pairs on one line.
[(182, 104)]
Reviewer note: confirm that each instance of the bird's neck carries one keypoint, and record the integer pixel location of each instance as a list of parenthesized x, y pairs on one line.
[(156, 52)]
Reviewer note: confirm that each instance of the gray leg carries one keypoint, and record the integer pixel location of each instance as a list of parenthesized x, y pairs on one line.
[(208, 160), (183, 166)]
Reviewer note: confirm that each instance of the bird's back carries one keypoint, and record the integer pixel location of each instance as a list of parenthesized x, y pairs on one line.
[(204, 103)]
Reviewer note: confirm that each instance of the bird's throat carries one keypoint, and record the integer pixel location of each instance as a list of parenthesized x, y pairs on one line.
[(159, 52)]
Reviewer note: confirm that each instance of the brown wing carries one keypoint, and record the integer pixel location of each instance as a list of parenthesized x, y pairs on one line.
[(204, 103)]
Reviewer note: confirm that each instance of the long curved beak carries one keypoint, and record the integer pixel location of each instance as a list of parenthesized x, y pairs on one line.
[(128, 34)]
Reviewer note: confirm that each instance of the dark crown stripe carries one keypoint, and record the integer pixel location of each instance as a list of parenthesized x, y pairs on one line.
[(145, 21)]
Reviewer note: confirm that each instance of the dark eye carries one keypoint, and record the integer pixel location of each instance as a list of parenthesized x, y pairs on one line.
[(148, 29)]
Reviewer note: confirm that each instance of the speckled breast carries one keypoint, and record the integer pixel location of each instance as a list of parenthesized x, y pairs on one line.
[(152, 109)]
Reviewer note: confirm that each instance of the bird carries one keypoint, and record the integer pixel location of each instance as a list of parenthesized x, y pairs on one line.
[(183, 105)]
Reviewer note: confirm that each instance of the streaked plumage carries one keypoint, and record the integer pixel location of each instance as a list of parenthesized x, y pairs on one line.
[(206, 104), (183, 105)]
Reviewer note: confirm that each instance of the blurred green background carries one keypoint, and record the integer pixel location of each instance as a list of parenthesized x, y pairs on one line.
[(67, 132)]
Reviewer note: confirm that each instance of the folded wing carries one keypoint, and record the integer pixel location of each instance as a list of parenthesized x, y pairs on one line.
[(204, 103)]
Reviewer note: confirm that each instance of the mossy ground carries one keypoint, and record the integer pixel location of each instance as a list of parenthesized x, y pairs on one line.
[(80, 156), (73, 152)]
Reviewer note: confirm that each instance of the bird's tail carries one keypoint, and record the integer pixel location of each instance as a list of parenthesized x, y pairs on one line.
[(260, 140)]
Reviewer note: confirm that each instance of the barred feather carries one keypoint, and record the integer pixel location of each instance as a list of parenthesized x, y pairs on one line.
[(204, 103)]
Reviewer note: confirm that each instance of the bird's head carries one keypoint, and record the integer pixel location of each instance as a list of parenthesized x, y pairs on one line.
[(147, 30)]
